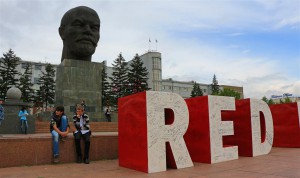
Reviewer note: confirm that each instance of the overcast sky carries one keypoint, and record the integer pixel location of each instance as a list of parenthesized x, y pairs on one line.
[(251, 43)]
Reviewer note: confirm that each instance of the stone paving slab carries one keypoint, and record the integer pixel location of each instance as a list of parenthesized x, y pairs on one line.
[(280, 163)]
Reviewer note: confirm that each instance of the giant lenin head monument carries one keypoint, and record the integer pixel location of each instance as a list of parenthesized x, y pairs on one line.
[(77, 76)]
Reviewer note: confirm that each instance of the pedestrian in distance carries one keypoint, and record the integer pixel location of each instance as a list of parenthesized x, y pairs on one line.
[(108, 114)]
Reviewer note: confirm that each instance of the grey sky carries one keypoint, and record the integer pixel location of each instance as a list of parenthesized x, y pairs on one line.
[(254, 44)]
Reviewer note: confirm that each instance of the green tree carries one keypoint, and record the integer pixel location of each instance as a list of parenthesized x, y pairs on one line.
[(46, 92), (196, 90), (230, 92), (265, 99), (8, 71), (119, 85), (26, 85), (268, 101), (106, 92), (214, 86), (280, 101), (287, 100), (137, 76), (271, 101)]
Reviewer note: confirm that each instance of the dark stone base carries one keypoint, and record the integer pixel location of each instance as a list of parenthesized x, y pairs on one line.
[(79, 80)]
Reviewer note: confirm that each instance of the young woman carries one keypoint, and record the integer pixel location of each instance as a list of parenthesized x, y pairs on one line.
[(23, 120)]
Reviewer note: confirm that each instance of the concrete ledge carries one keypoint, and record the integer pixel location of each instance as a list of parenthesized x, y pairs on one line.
[(43, 127), (36, 149)]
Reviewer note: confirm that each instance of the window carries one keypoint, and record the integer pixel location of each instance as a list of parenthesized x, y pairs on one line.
[(156, 86), (156, 75), (156, 63), (38, 67), (36, 80), (24, 65)]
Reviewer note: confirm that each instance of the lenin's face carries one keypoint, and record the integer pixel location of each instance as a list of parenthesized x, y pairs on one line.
[(80, 34)]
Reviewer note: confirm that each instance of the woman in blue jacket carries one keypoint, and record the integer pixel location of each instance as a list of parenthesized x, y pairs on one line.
[(23, 120)]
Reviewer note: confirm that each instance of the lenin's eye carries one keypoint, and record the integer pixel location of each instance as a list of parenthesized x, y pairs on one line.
[(95, 27), (77, 24)]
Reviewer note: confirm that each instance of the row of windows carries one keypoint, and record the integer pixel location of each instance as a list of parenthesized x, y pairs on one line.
[(167, 87), (156, 63), (156, 75), (36, 66), (156, 86)]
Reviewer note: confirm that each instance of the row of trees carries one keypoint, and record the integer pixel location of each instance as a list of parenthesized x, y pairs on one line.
[(281, 101), (10, 77), (215, 90), (126, 79)]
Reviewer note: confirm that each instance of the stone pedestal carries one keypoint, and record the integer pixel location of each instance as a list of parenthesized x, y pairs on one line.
[(77, 80)]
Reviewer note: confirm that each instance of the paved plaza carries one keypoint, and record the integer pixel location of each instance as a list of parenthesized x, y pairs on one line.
[(281, 162)]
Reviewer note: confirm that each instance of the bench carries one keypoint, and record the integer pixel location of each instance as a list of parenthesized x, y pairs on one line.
[(36, 149), (43, 126)]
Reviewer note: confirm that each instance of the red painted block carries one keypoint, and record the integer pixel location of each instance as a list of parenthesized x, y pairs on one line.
[(242, 127), (151, 129), (197, 136), (133, 132), (286, 120), (206, 129), (253, 127)]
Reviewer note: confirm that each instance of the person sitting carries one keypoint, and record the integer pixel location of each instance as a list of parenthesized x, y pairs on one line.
[(82, 130), (59, 128)]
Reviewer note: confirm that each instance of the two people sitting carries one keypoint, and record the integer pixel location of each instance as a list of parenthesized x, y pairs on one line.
[(59, 128)]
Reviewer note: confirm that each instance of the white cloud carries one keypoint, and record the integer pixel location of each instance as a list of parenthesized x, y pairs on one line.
[(293, 22), (236, 34)]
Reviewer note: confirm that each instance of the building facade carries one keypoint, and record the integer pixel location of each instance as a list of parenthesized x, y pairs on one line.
[(37, 68), (278, 98), (153, 62)]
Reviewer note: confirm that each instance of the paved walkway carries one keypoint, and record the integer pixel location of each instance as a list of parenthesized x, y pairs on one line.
[(281, 162)]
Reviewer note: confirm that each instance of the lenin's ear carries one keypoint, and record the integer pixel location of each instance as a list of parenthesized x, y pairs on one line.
[(61, 31)]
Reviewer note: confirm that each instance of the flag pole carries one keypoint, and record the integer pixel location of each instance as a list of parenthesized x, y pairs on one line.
[(149, 44)]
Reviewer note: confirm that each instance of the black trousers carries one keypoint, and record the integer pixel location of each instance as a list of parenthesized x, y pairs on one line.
[(86, 138), (108, 118)]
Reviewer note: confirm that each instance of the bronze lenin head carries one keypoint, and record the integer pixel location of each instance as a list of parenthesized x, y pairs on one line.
[(80, 31)]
